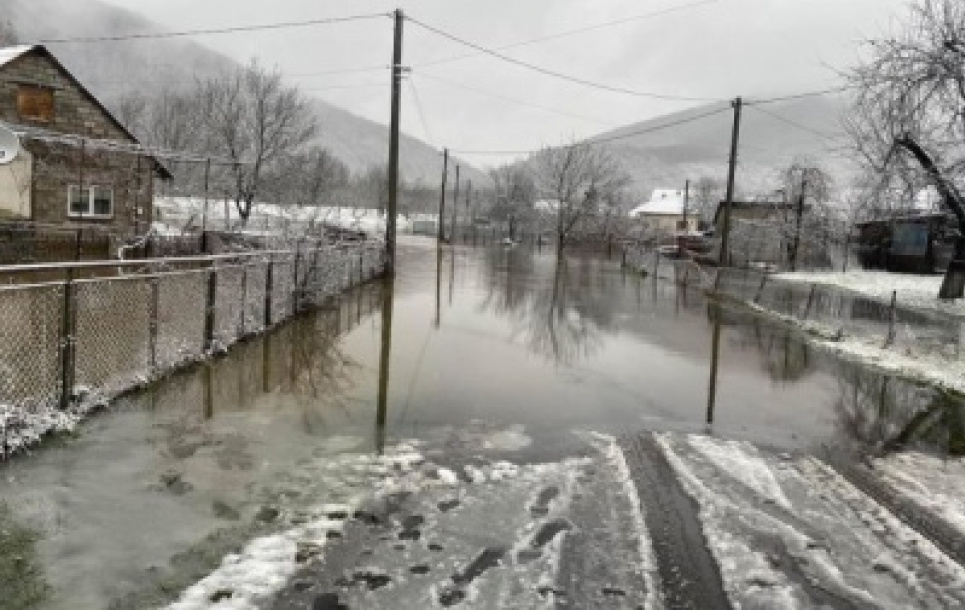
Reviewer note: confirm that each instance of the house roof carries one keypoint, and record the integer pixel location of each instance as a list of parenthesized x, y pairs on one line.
[(10, 54), (663, 202), (751, 205)]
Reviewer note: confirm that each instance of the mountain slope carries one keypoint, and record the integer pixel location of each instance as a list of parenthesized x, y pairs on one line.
[(112, 70), (771, 137)]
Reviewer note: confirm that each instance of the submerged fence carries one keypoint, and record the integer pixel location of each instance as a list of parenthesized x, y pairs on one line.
[(103, 327), (834, 312)]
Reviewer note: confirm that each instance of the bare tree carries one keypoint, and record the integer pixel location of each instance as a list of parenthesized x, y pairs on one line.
[(705, 195), (8, 34), (579, 178), (254, 120), (373, 186), (515, 194), (911, 99), (808, 187)]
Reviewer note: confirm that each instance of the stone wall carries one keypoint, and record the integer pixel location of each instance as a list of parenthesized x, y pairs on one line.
[(57, 166)]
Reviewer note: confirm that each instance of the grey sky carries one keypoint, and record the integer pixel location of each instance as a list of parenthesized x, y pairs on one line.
[(716, 50)]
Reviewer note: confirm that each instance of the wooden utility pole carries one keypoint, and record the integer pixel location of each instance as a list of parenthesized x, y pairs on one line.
[(394, 144), (731, 171), (455, 209), (798, 218), (468, 202), (686, 201), (440, 229)]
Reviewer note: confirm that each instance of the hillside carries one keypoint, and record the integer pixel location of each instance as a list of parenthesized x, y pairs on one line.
[(112, 70), (667, 157)]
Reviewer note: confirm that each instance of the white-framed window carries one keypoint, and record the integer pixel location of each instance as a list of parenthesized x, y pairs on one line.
[(91, 201)]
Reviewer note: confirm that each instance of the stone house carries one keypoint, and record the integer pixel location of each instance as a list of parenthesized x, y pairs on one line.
[(66, 173), (666, 213)]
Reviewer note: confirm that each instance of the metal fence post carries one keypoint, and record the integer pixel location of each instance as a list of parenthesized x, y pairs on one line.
[(244, 299), (67, 342), (210, 305), (891, 319), (760, 289), (810, 301), (153, 322), (296, 305), (269, 288), (361, 266)]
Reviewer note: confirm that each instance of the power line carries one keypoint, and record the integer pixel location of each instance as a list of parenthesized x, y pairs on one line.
[(565, 33), (339, 71), (793, 123), (512, 100), (421, 113), (229, 30), (602, 140), (797, 96), (555, 74)]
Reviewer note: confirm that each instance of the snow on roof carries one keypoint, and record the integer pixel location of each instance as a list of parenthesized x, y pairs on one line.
[(8, 54), (663, 202)]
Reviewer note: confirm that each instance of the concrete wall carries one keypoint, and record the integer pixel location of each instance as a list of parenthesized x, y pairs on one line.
[(15, 191), (57, 166)]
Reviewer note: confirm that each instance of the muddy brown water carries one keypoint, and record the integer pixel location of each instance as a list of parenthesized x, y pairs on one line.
[(494, 349)]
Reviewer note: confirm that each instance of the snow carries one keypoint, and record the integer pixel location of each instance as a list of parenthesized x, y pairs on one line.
[(831, 539), (932, 368), (930, 482), (915, 291), (22, 428), (8, 54), (741, 461)]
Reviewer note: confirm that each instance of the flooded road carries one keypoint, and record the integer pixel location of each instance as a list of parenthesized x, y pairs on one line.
[(494, 361)]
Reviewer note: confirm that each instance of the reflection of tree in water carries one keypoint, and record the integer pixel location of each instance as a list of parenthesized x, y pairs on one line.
[(563, 319), (321, 372), (784, 357), (889, 414)]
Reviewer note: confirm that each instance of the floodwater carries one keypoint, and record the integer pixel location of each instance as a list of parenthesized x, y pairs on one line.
[(488, 351)]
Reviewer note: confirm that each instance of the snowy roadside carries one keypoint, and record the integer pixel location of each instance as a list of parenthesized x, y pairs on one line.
[(932, 368), (914, 291)]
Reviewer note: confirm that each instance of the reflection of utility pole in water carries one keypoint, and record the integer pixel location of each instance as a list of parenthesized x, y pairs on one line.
[(714, 355), (206, 382), (388, 288), (438, 287), (452, 273)]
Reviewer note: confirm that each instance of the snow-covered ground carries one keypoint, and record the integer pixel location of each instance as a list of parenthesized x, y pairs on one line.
[(932, 367), (790, 532), (932, 483), (915, 291), (174, 214)]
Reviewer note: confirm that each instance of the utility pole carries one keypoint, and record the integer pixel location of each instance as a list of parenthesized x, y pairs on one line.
[(394, 144), (468, 196), (798, 217), (686, 201), (731, 170), (455, 209), (440, 228)]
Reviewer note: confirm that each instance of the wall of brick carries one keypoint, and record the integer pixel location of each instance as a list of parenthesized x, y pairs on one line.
[(57, 166)]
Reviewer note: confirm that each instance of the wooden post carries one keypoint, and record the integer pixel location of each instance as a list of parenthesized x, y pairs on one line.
[(890, 339), (760, 289), (67, 342), (394, 124), (810, 301), (210, 305), (153, 321), (269, 288), (731, 172)]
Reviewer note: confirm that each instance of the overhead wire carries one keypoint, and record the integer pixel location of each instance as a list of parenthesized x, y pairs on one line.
[(212, 31), (554, 73), (511, 100), (565, 33), (420, 112)]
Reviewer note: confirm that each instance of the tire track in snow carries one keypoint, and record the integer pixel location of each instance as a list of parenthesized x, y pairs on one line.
[(689, 574)]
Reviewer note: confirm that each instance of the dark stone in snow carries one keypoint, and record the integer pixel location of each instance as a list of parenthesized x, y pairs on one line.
[(447, 505), (451, 597), (333, 535), (488, 558), (338, 515), (435, 547), (373, 580), (366, 517), (266, 514), (221, 594), (410, 535), (328, 601), (549, 530), (223, 510), (613, 592), (420, 569), (413, 521)]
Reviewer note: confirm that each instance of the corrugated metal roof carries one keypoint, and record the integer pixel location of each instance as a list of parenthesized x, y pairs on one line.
[(8, 54)]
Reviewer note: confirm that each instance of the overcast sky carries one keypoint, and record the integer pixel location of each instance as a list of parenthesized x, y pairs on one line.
[(711, 49)]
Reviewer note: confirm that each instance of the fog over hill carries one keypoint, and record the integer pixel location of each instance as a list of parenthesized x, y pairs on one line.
[(111, 70), (771, 137)]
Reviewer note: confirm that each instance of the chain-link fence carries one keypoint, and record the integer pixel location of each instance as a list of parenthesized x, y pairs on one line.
[(833, 312), (100, 335)]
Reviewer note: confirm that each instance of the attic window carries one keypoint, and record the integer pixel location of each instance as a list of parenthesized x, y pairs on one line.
[(35, 103)]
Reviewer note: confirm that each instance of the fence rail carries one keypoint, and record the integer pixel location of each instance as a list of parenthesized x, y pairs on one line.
[(73, 335), (838, 313)]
